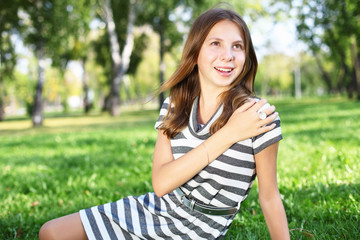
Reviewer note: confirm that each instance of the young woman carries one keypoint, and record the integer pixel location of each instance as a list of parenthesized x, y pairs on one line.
[(213, 139)]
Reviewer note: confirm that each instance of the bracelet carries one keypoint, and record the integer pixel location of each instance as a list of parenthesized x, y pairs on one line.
[(207, 153)]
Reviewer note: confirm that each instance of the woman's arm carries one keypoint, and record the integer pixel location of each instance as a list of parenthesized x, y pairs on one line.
[(269, 195), (168, 174)]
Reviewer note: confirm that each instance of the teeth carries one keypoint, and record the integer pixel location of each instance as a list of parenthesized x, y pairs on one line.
[(223, 69)]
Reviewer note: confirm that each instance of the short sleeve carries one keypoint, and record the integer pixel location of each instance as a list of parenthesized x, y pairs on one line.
[(163, 111), (264, 140)]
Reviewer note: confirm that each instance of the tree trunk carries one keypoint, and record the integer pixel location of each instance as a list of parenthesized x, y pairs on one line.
[(37, 113), (356, 62), (120, 61), (2, 96), (347, 75), (297, 78), (2, 111), (85, 80), (2, 89), (325, 75), (340, 51), (340, 79), (162, 64)]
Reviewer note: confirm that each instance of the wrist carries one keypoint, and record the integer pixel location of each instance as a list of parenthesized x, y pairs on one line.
[(227, 135), (219, 142)]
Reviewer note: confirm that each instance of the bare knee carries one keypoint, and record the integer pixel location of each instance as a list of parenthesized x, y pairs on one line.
[(66, 227), (48, 231)]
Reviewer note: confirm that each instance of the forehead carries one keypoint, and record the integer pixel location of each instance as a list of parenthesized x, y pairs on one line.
[(226, 28)]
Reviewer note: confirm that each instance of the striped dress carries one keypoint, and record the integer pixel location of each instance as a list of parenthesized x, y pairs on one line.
[(225, 182)]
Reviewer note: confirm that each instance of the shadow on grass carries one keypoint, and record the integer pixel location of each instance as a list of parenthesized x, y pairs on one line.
[(81, 115), (51, 136), (327, 134), (131, 120), (298, 108)]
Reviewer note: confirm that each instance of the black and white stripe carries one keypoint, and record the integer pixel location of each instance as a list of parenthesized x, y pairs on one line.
[(225, 182)]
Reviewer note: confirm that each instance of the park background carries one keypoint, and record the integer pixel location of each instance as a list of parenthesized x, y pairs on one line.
[(78, 81)]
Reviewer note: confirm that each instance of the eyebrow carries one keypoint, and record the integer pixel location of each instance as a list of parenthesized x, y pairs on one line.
[(220, 39)]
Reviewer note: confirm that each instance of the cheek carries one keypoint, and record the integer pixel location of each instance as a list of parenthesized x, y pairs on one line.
[(213, 54), (206, 57), (240, 59)]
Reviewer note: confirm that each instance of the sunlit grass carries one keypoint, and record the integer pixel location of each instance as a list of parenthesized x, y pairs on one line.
[(318, 172), (75, 162)]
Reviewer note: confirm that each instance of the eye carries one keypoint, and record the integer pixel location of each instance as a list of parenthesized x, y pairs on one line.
[(215, 43), (238, 46)]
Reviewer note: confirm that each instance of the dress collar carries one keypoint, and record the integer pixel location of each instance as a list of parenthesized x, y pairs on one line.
[(193, 126)]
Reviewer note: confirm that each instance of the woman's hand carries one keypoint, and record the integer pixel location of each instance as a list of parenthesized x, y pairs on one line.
[(245, 122)]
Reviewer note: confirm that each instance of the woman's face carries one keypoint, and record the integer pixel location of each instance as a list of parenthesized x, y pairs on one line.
[(222, 56)]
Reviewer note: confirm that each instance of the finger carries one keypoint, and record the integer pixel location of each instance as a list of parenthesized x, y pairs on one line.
[(269, 119), (265, 129), (269, 110), (259, 105), (246, 105)]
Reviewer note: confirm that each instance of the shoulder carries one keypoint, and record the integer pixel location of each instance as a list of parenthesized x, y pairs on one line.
[(166, 103), (265, 106), (165, 106), (264, 140), (163, 112)]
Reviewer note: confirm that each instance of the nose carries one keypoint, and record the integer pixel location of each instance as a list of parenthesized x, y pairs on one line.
[(227, 55)]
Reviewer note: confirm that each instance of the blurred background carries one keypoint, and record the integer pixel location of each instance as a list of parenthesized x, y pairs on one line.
[(87, 71), (101, 55)]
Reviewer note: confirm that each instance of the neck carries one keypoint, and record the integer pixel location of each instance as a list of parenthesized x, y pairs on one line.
[(208, 104)]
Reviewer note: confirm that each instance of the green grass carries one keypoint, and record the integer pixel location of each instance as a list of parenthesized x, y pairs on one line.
[(318, 173), (75, 162)]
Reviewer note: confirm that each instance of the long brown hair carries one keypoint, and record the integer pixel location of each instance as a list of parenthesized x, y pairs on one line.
[(184, 84)]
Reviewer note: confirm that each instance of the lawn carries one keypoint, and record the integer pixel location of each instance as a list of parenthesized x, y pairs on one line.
[(75, 162)]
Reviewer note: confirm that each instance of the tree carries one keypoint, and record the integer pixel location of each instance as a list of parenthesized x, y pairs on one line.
[(77, 45), (163, 21), (120, 60), (38, 34), (50, 27), (331, 29), (140, 44), (7, 63), (275, 82), (10, 24)]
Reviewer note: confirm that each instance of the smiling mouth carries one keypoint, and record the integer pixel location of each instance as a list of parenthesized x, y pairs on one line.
[(225, 70)]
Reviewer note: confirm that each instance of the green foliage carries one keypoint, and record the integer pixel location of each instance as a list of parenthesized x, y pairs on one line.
[(311, 81), (23, 88), (331, 28), (9, 24), (274, 75), (77, 162), (57, 26), (121, 13), (140, 44), (200, 6)]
